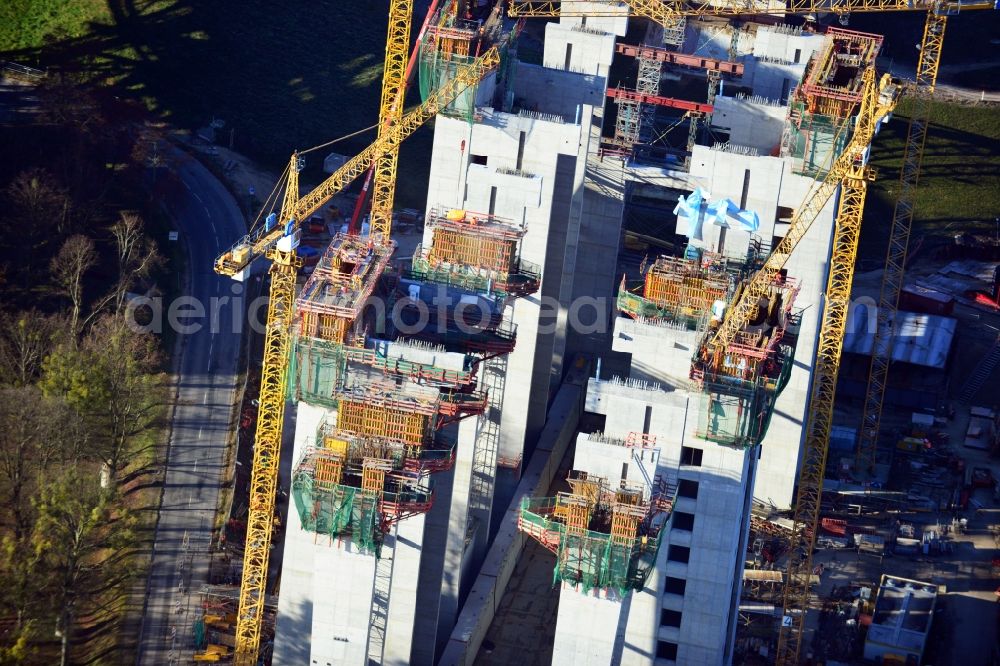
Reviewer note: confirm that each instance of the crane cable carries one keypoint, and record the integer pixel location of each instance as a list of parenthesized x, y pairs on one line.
[(343, 138)]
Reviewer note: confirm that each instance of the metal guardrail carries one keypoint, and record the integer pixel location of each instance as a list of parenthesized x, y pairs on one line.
[(22, 72)]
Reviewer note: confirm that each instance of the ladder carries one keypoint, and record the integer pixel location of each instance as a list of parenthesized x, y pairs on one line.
[(379, 618), (981, 374)]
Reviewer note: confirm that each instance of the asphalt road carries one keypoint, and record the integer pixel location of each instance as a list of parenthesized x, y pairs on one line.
[(209, 221)]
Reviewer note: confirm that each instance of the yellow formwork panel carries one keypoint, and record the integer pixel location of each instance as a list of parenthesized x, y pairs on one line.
[(336, 444), (379, 421), (472, 250)]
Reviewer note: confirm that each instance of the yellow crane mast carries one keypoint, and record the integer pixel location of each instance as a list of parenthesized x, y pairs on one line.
[(397, 46), (899, 238), (277, 241), (852, 172)]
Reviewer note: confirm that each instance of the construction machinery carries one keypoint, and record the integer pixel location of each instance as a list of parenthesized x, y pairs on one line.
[(852, 170), (852, 183), (277, 240)]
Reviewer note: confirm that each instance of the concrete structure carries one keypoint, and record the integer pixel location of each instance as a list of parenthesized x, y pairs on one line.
[(529, 155), (524, 162), (904, 611), (686, 611)]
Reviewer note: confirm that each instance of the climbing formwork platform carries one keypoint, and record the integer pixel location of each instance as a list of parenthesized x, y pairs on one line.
[(821, 107), (476, 252), (357, 489), (603, 538), (680, 291), (453, 41), (317, 368), (332, 299), (741, 382)]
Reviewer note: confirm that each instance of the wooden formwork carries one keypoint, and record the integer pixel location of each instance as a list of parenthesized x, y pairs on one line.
[(676, 284), (324, 326), (470, 249), (378, 420)]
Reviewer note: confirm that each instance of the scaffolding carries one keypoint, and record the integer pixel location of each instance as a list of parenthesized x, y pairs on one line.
[(820, 109), (602, 538), (332, 299), (341, 492), (452, 43), (386, 416), (742, 381), (680, 291), (476, 252)]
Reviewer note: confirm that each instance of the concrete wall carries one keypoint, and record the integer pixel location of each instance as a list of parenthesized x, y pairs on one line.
[(487, 591), (326, 589), (557, 92), (754, 123), (584, 45)]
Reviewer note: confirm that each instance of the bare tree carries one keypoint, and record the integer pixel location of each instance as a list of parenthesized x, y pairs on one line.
[(137, 259), (25, 341), (76, 257)]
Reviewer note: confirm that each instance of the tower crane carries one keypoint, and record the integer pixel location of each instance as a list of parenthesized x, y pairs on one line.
[(851, 171), (851, 177), (899, 238), (277, 240)]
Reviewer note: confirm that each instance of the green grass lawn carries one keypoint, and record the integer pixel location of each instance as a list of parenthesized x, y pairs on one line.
[(283, 76), (960, 176)]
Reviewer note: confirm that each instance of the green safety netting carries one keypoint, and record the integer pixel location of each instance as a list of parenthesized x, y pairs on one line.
[(315, 370), (435, 69), (337, 511), (638, 306), (816, 139), (738, 413), (589, 560)]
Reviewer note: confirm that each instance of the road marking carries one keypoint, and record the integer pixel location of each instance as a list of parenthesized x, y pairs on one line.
[(196, 196), (199, 433), (194, 470), (205, 399)]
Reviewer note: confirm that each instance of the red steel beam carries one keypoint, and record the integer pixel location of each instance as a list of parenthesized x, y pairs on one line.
[(620, 94), (674, 58)]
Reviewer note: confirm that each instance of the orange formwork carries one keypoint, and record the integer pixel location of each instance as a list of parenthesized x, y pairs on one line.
[(676, 284), (378, 419), (474, 239), (333, 297), (833, 83)]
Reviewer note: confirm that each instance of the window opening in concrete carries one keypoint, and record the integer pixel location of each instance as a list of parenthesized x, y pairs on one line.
[(478, 159), (569, 56), (798, 56), (674, 586), (520, 151), (679, 554), (687, 488), (682, 521), (691, 456), (786, 86), (493, 200), (624, 471), (670, 618), (666, 650), (647, 419)]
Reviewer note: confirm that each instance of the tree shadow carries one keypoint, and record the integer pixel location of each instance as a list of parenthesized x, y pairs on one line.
[(281, 78)]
